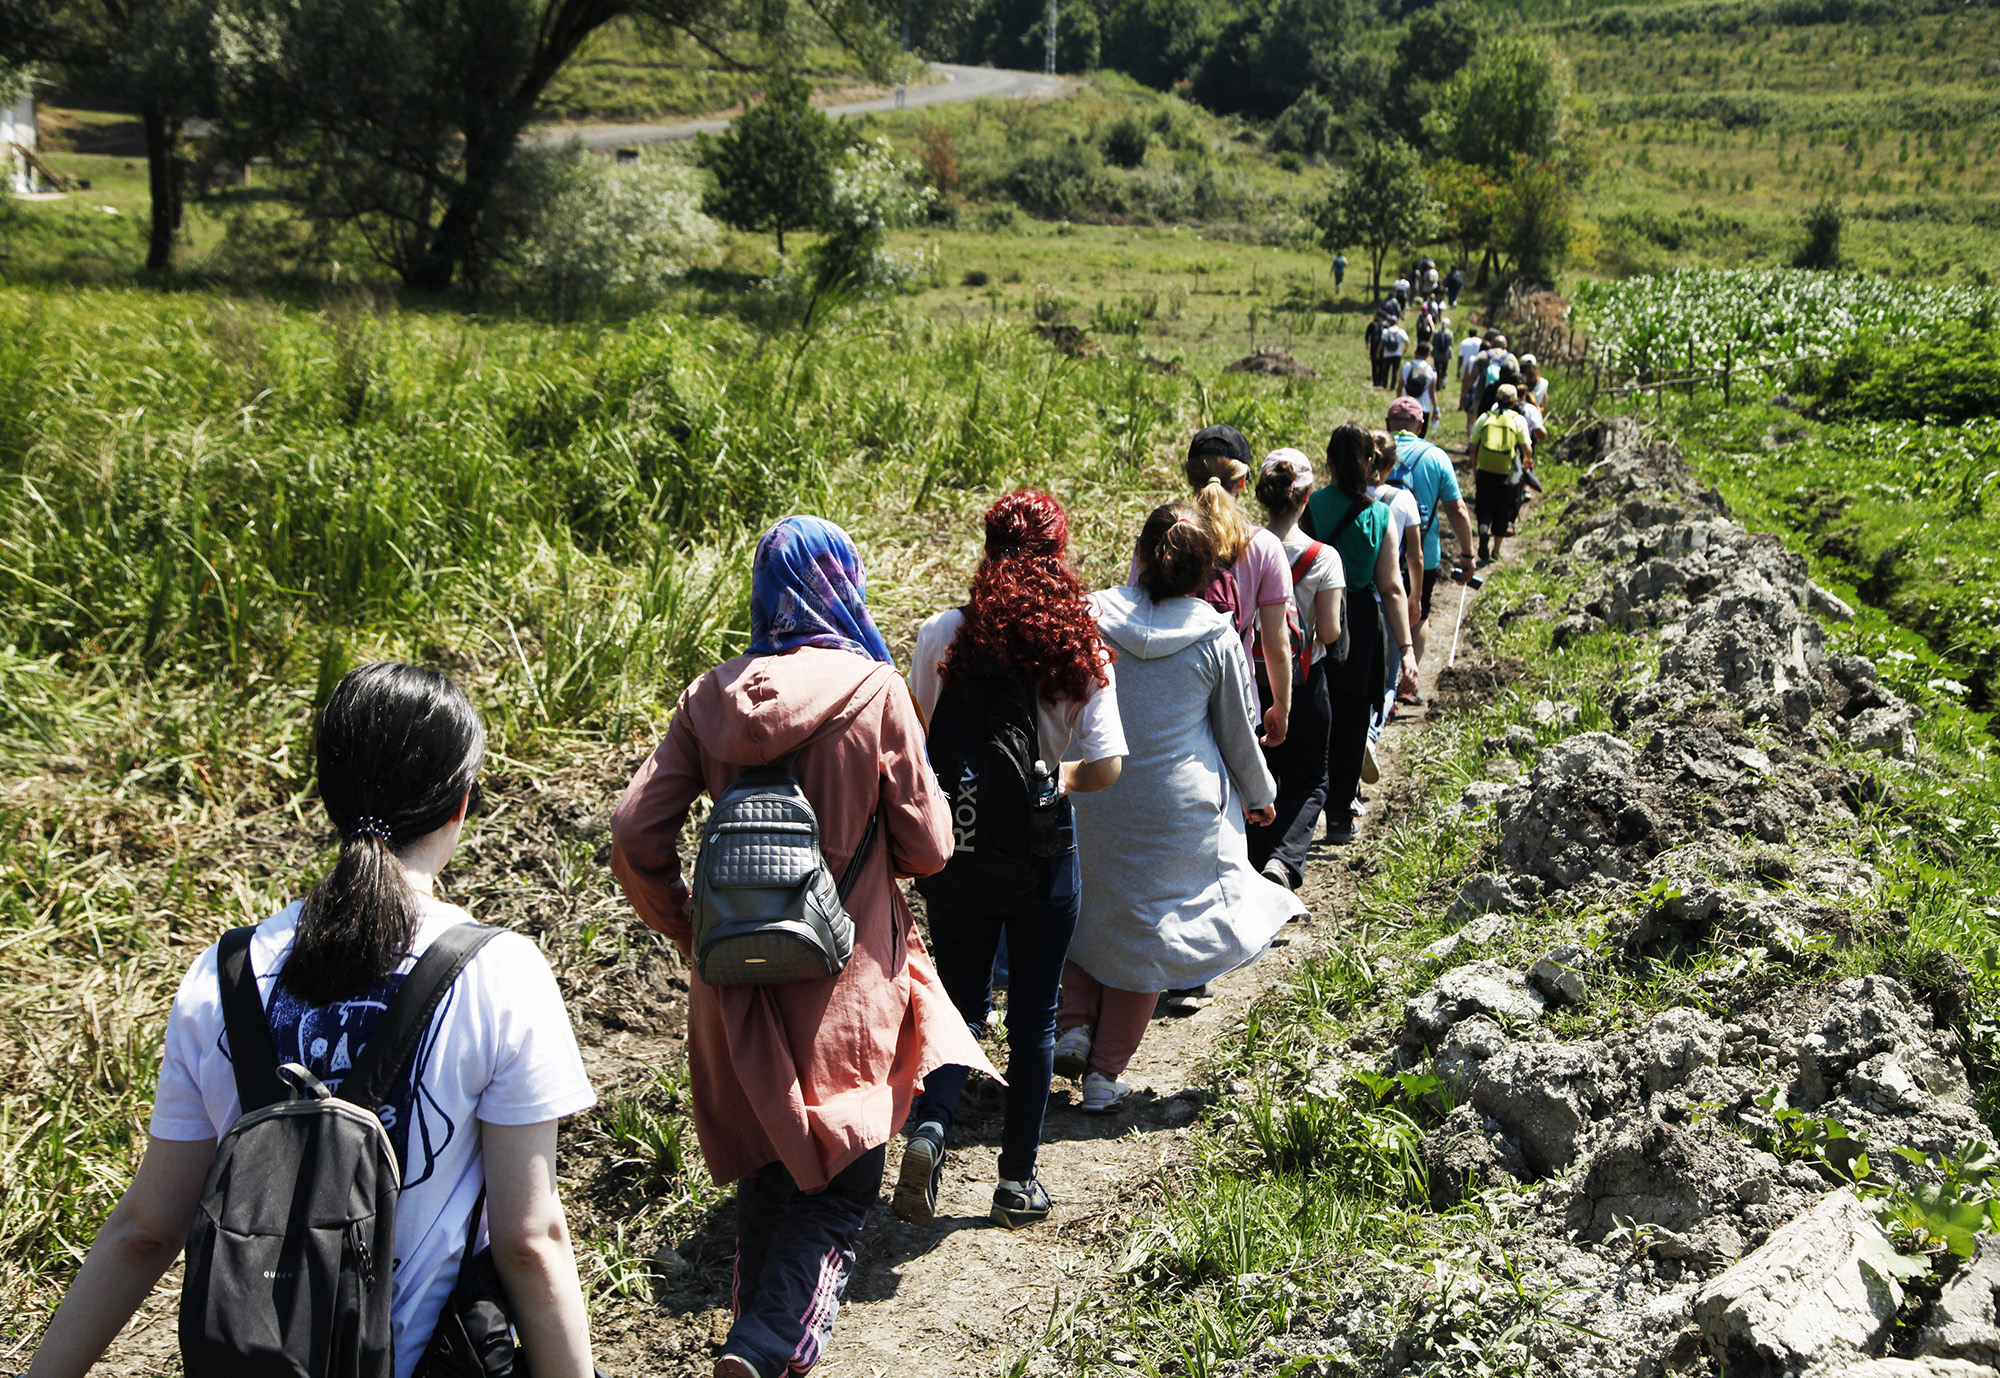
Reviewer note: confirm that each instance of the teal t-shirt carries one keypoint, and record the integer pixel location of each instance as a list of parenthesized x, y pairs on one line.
[(1359, 544), (1426, 471)]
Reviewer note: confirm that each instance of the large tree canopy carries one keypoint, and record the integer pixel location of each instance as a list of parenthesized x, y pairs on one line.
[(1381, 203), (403, 116), (1512, 100)]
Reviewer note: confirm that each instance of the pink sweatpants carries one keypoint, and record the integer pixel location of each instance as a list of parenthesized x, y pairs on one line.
[(1117, 1018)]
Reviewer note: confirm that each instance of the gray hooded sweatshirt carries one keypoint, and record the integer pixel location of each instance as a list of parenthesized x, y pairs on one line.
[(1169, 896)]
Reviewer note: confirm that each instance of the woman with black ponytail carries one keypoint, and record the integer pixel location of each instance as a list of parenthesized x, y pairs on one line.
[(398, 752)]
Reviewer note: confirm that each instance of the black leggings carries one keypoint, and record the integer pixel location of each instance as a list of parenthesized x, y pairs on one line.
[(1354, 693), (1299, 763)]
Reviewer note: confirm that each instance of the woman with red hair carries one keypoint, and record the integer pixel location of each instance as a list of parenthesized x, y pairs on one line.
[(1027, 633)]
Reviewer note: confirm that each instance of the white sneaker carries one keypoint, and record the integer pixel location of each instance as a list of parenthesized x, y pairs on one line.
[(1073, 1052), (1275, 872), (1102, 1095)]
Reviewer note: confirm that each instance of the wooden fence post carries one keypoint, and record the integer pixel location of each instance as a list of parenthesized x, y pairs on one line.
[(1728, 371)]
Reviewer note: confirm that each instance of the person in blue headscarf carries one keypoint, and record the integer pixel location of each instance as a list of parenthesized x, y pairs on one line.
[(807, 588), (796, 1089)]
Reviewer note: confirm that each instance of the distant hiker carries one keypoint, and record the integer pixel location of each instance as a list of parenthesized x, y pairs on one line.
[(1252, 583), (1501, 452), (1394, 340), (1346, 518), (1372, 339), (451, 1038), (1279, 848), (1534, 387), (1454, 283), (1406, 530), (1009, 683), (1472, 359), (1426, 472), (1426, 326), (1419, 381), (1441, 350), (1401, 288), (1339, 270), (1170, 900), (796, 1088)]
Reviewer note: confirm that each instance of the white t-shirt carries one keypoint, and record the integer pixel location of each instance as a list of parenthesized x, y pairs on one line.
[(1539, 393), (500, 1050), (1404, 517), (1429, 395), (1325, 572), (1393, 340), (1532, 414), (1092, 727), (1402, 285)]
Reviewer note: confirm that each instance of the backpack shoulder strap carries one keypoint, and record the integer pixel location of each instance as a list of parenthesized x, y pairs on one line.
[(1352, 513), (251, 1052), (1304, 562), (409, 1014)]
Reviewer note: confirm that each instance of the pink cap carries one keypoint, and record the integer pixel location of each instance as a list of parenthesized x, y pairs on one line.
[(1294, 460), (1406, 409)]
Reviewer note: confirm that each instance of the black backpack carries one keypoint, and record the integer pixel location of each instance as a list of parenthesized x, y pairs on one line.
[(985, 750), (291, 1258), (766, 909)]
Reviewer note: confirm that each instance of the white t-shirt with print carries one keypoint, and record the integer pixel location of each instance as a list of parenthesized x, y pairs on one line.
[(1325, 572), (500, 1050), (1092, 727)]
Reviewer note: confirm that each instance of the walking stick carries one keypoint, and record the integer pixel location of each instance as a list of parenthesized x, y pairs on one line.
[(1457, 626)]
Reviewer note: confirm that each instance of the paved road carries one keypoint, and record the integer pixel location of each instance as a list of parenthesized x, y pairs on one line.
[(960, 83)]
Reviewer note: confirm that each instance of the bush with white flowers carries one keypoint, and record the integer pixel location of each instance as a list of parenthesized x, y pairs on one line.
[(595, 226)]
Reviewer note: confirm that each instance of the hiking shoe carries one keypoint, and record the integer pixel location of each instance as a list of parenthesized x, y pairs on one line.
[(1102, 1095), (735, 1366), (1020, 1203), (1371, 772), (1339, 834), (1181, 1003), (1073, 1052), (1275, 872), (923, 1172)]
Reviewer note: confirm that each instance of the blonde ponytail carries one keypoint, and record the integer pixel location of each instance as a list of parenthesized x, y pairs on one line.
[(1212, 476)]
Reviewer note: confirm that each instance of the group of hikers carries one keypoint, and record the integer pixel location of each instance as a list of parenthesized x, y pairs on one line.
[(1504, 396), (354, 1134)]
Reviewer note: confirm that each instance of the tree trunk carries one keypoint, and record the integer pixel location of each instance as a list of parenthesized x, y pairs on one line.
[(453, 241), (781, 240), (1375, 257), (161, 136)]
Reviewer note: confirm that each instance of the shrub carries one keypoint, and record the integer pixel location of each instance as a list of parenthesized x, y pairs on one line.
[(1951, 374), (1126, 140), (1307, 127), (1058, 182), (1821, 251), (872, 192), (593, 226)]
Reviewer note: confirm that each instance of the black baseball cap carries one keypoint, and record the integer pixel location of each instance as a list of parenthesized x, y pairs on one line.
[(1220, 440)]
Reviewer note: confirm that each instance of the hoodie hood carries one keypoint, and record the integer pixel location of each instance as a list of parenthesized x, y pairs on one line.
[(756, 708), (1131, 620)]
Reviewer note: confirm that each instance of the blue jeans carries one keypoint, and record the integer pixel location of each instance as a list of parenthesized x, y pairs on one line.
[(794, 1255), (1037, 928)]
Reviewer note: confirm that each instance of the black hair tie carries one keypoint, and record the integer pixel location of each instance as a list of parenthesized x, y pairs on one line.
[(369, 827)]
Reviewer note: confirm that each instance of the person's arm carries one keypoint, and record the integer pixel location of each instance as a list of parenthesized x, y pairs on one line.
[(1083, 777), (1326, 616), (531, 1248), (646, 831), (1413, 564), (1277, 634), (916, 819), (1234, 736), (1461, 527), (139, 1241), (1389, 582)]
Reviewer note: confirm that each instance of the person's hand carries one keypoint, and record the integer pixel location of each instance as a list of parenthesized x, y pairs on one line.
[(1275, 725), (1468, 564), (1409, 670), (1263, 817)]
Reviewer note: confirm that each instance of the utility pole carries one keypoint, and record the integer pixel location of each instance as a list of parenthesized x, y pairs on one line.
[(1049, 52)]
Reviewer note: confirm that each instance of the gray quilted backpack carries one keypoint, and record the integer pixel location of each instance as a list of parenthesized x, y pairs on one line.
[(766, 909)]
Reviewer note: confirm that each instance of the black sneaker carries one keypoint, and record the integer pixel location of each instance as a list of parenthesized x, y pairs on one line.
[(1020, 1203), (917, 1185)]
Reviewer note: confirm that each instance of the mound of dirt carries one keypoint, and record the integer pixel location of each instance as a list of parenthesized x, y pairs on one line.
[(1271, 363)]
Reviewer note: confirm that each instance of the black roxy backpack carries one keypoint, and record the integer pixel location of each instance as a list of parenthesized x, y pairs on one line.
[(766, 909), (985, 750), (291, 1259)]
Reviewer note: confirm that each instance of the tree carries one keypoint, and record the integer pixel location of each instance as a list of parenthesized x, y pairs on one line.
[(402, 118), (773, 167), (1511, 100), (148, 55), (1272, 52), (1471, 199), (1536, 219), (1436, 47), (1380, 203), (1821, 249)]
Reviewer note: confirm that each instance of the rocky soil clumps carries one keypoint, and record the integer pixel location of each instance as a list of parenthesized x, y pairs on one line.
[(1680, 1177)]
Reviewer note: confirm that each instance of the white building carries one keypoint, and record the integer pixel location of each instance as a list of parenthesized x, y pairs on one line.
[(17, 141)]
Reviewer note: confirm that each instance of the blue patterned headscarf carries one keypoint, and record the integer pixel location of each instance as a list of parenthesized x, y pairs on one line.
[(807, 588)]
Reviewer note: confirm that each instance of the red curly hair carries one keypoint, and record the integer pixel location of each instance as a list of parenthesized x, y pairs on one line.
[(1027, 614)]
